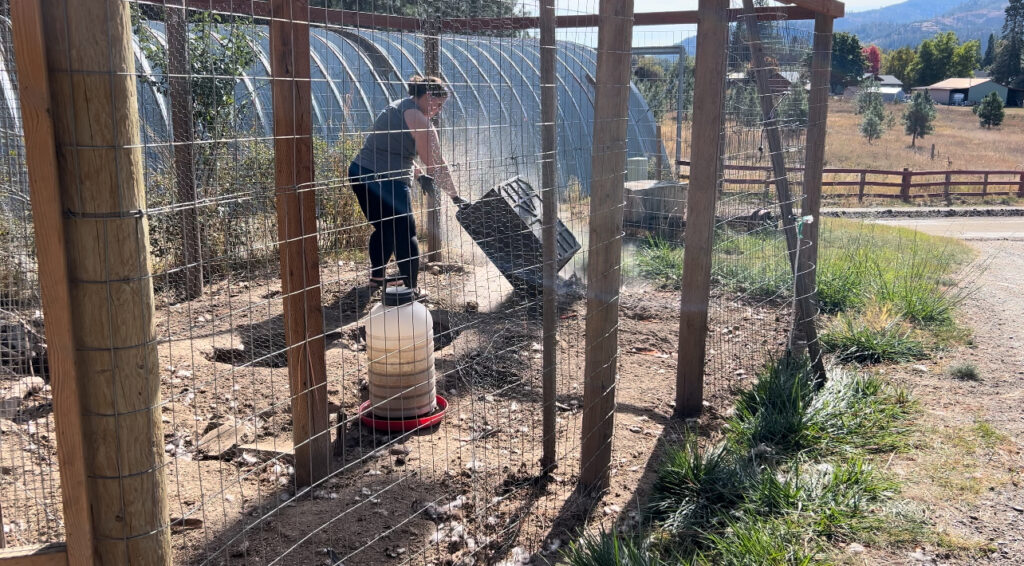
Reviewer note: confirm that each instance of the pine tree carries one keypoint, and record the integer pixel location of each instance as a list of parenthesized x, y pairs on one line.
[(919, 117), (1007, 67), (868, 95), (990, 52), (873, 125), (793, 109), (990, 111)]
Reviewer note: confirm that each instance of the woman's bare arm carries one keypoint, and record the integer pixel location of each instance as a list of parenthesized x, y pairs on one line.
[(429, 149)]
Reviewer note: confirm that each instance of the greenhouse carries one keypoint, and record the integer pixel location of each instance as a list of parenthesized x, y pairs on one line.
[(490, 128)]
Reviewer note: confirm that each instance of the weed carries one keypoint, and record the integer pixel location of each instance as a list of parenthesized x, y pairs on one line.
[(989, 436), (965, 371), (774, 541)]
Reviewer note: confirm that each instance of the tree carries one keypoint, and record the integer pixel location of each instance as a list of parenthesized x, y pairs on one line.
[(990, 111), (934, 60), (898, 63), (1007, 66), (651, 79), (990, 52), (966, 59), (847, 60), (868, 95), (919, 117), (873, 125), (873, 56)]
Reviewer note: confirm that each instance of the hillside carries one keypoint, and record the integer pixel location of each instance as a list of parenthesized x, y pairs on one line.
[(907, 23)]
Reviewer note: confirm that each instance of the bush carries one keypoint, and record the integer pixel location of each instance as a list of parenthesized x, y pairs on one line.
[(965, 371), (990, 111)]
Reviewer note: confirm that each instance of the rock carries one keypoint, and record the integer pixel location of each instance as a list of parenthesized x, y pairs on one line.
[(919, 368), (225, 437), (399, 450), (636, 429), (30, 384), (855, 548), (612, 510)]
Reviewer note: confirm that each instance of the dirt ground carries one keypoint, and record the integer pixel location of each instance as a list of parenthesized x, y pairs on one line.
[(468, 491), (966, 473)]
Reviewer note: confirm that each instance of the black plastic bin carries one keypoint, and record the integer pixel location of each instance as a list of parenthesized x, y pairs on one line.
[(507, 223)]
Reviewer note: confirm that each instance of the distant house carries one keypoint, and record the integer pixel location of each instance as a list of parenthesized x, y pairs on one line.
[(778, 81), (884, 81), (963, 91)]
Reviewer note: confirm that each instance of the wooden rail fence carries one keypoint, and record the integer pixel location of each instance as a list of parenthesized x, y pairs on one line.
[(905, 185)]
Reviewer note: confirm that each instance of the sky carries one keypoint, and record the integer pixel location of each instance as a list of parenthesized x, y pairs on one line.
[(666, 35)]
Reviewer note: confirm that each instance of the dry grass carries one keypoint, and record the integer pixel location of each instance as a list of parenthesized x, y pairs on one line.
[(957, 138)]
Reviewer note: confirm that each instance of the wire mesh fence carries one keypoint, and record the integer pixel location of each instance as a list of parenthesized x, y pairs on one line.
[(279, 206)]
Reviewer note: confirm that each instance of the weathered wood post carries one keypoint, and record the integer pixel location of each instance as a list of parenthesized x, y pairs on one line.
[(548, 111), (945, 188), (814, 163), (1020, 186), (705, 161), (297, 236), (984, 186), (861, 186), (93, 237), (680, 101), (806, 311), (659, 159), (179, 71), (432, 66), (604, 275), (905, 185)]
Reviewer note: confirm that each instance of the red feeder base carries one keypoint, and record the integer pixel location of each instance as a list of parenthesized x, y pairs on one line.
[(403, 425)]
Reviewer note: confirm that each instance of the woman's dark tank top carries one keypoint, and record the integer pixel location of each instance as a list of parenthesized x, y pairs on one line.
[(390, 148)]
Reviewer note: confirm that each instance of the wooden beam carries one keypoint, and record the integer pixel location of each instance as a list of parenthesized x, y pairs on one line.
[(51, 252), (190, 280), (706, 156), (36, 555), (805, 315), (814, 164), (831, 8), (549, 155), (102, 197), (604, 262), (432, 67), (297, 233)]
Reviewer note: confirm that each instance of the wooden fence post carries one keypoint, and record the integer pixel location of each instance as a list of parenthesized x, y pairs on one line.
[(297, 236), (432, 66), (54, 282), (984, 186), (680, 100), (659, 160), (548, 110), (945, 189), (905, 186), (860, 188), (179, 71), (705, 160), (804, 301), (604, 263), (814, 163), (1020, 186), (92, 236)]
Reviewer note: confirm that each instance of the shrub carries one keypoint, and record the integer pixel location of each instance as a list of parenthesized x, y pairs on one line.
[(965, 371), (990, 111)]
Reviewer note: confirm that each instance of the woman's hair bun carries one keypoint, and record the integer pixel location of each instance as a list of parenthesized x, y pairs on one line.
[(420, 85)]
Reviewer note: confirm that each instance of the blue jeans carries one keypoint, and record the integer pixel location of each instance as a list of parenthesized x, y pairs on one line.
[(388, 208)]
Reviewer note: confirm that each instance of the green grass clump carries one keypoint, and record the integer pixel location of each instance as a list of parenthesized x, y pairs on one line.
[(872, 337), (610, 549), (965, 371), (661, 261), (792, 478)]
